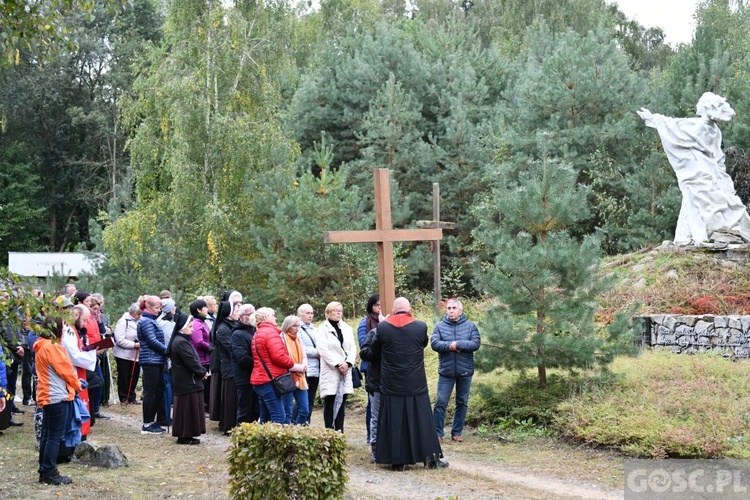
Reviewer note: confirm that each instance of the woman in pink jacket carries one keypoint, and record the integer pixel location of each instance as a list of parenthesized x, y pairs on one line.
[(200, 339)]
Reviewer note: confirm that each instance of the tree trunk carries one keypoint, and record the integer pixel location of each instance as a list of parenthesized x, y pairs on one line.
[(541, 369), (53, 220)]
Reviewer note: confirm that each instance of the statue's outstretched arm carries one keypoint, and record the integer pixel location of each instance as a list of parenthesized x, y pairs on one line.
[(647, 117)]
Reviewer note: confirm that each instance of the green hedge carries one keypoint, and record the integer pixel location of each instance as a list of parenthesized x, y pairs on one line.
[(286, 461)]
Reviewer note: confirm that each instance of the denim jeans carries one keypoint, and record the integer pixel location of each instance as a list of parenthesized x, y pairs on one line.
[(300, 416), (271, 401), (444, 390), (312, 389), (54, 424), (168, 396)]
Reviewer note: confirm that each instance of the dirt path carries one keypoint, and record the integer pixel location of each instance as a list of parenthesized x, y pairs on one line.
[(464, 478), (467, 477)]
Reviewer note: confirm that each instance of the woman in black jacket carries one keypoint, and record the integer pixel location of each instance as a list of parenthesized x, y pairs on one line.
[(187, 384)]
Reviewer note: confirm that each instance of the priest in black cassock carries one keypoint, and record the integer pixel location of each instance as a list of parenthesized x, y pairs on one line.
[(406, 430)]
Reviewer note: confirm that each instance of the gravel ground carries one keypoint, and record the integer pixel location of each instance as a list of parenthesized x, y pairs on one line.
[(478, 468)]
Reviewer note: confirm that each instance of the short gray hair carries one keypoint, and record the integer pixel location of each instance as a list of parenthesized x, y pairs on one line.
[(134, 308), (289, 322), (455, 301)]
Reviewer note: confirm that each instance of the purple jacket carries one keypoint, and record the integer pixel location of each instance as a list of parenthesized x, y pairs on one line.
[(199, 338)]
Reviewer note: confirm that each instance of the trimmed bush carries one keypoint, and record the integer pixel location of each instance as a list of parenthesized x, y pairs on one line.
[(286, 461)]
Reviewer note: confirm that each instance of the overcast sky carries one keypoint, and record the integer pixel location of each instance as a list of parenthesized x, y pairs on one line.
[(675, 17)]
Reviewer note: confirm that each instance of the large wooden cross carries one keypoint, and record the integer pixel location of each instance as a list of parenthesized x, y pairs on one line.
[(436, 223), (384, 235)]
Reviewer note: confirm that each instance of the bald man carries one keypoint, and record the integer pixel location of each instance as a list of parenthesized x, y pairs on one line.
[(406, 430)]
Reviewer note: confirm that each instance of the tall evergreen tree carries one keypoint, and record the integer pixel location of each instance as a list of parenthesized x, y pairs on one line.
[(413, 96), (543, 277)]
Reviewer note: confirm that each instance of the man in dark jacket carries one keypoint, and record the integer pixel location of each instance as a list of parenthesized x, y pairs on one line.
[(248, 404), (405, 432), (14, 341), (455, 339), (372, 386)]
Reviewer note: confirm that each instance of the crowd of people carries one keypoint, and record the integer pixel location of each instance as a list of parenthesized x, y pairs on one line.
[(227, 362)]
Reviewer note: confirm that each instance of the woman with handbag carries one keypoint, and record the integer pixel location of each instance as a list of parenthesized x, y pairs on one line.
[(338, 353), (271, 364)]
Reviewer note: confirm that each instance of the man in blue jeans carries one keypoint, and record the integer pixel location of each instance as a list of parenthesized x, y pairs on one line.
[(455, 339)]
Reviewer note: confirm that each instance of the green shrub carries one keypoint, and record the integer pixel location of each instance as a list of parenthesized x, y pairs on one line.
[(665, 405), (517, 398), (289, 462)]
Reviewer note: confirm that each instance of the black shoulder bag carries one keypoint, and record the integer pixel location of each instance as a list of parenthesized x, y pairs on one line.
[(283, 384)]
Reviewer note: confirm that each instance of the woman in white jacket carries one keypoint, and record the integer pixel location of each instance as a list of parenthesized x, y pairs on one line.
[(338, 353), (126, 354)]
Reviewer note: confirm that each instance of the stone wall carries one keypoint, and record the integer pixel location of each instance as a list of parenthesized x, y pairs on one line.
[(725, 335)]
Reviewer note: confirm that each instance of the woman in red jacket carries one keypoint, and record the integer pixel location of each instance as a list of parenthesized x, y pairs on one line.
[(269, 348)]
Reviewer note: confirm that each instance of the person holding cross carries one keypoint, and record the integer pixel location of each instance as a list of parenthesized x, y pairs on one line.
[(406, 432)]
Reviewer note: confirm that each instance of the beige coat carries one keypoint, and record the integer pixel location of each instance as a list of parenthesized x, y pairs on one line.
[(331, 354)]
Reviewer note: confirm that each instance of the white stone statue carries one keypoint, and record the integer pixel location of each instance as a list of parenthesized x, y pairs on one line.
[(710, 210)]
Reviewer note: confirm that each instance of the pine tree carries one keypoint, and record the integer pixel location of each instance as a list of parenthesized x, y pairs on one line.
[(545, 280)]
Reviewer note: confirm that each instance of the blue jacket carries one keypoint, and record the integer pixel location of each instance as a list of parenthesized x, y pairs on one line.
[(3, 374), (361, 334), (79, 415), (455, 363), (151, 338)]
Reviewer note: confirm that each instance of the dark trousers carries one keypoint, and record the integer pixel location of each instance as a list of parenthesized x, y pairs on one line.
[(95, 394), (206, 388), (26, 386), (248, 405), (12, 375), (127, 378), (53, 431), (153, 391), (328, 417)]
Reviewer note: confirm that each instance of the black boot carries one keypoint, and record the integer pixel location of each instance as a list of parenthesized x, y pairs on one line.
[(53, 477), (434, 462)]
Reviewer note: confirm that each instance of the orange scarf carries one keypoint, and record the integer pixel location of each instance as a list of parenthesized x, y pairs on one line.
[(294, 346)]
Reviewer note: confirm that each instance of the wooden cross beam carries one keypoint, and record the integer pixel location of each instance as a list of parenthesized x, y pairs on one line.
[(384, 235), (436, 223)]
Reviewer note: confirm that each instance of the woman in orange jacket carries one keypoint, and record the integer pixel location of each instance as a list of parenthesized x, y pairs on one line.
[(56, 388)]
